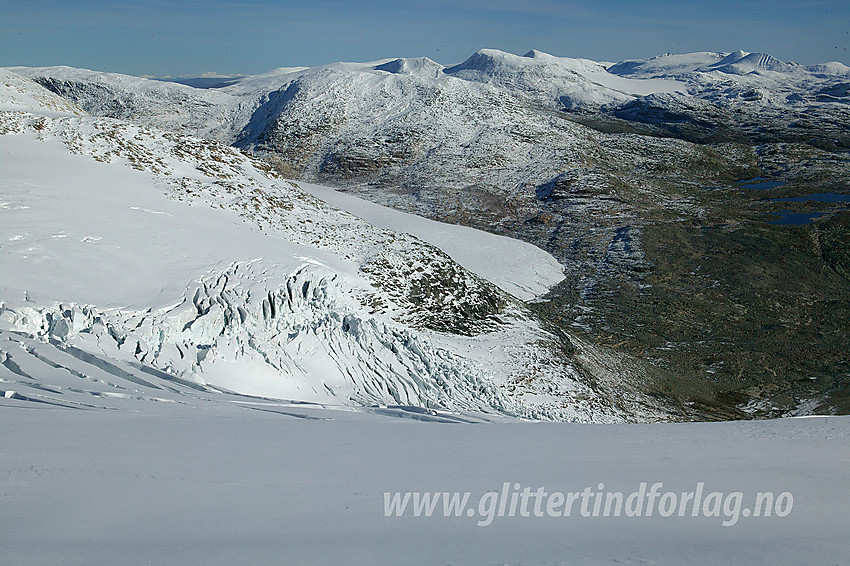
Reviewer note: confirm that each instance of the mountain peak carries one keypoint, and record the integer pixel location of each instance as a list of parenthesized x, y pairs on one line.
[(419, 66), (484, 61), (741, 62), (535, 54)]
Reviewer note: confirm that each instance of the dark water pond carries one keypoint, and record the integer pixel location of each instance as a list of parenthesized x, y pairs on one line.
[(790, 218), (760, 183)]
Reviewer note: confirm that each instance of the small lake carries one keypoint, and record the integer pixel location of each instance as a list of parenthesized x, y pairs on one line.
[(760, 183), (790, 218)]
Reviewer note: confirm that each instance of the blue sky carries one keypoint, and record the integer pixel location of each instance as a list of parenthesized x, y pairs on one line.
[(159, 37)]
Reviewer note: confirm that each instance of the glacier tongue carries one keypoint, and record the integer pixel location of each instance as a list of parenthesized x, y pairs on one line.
[(259, 330)]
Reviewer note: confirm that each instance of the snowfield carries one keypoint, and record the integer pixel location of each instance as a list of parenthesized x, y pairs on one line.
[(516, 267), (271, 483)]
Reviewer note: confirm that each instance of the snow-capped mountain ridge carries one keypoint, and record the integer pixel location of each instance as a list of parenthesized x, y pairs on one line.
[(576, 83), (737, 63), (229, 113)]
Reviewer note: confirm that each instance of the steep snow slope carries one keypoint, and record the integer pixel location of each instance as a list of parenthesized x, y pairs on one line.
[(167, 253)]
